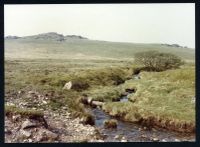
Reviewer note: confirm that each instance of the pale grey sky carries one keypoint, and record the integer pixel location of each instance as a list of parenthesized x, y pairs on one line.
[(138, 23)]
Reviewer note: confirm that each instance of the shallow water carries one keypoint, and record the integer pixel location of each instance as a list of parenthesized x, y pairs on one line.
[(134, 132)]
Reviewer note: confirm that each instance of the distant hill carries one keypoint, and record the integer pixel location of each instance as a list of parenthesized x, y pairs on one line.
[(57, 46), (53, 36)]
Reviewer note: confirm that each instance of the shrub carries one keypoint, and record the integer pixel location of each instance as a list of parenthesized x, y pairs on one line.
[(157, 61)]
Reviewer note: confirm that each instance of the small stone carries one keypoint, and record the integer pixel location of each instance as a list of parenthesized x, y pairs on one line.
[(44, 102), (31, 92), (154, 130), (124, 139), (68, 85), (163, 140), (99, 140), (117, 137), (65, 108), (155, 139), (177, 140), (25, 133), (16, 117), (144, 136), (7, 131), (30, 140), (28, 124), (10, 104), (145, 128), (45, 135)]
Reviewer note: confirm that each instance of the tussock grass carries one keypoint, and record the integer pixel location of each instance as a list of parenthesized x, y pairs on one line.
[(160, 97), (105, 93), (12, 110)]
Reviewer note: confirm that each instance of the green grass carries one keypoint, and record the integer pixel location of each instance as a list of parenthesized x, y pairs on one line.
[(46, 66), (85, 49), (49, 77), (162, 95), (11, 110), (167, 93)]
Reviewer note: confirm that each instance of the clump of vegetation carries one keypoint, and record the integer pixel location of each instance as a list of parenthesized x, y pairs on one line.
[(88, 119), (157, 61), (79, 85), (112, 123), (13, 110), (125, 111), (105, 94)]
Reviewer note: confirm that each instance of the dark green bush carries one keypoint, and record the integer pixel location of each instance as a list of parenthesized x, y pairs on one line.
[(158, 61)]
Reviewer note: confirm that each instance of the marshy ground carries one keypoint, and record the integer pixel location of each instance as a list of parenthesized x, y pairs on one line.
[(156, 103)]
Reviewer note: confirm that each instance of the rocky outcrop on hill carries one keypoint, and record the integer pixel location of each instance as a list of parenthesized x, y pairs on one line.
[(12, 37), (74, 37), (52, 36)]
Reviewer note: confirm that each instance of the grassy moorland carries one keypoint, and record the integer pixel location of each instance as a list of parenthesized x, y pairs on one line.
[(103, 71), (75, 48), (163, 97)]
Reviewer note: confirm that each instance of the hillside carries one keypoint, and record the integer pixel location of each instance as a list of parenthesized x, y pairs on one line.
[(57, 46)]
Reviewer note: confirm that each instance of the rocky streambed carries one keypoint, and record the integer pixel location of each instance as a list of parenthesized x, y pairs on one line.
[(52, 126)]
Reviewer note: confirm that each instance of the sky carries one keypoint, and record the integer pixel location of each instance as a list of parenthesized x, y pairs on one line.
[(137, 23)]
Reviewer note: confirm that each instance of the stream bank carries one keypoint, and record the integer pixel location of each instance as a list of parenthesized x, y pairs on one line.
[(132, 132)]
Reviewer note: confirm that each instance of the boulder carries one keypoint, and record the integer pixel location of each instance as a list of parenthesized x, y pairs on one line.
[(89, 100), (68, 85), (97, 103)]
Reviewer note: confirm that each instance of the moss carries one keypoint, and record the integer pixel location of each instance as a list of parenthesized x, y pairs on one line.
[(112, 123)]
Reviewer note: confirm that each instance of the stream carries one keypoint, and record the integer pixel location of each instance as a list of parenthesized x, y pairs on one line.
[(132, 132)]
